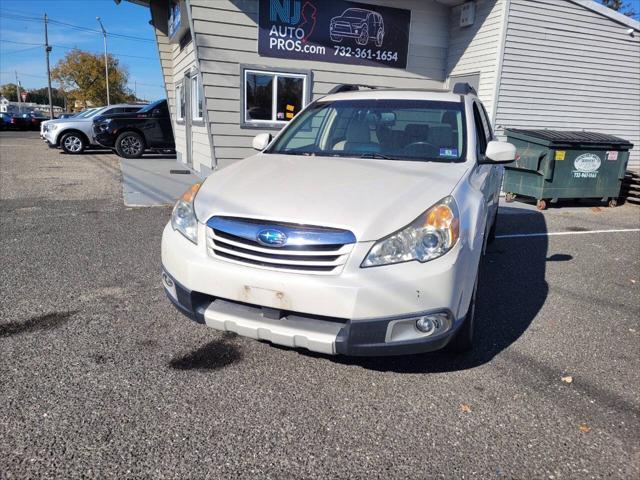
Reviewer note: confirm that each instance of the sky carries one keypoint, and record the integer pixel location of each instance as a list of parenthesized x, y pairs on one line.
[(20, 30)]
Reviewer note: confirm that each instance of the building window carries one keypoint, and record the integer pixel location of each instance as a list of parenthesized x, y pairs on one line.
[(273, 98), (196, 97), (180, 106)]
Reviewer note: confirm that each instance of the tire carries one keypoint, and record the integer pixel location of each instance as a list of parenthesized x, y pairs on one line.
[(463, 340), (541, 204), (130, 145), (363, 39), (73, 143), (379, 38), (336, 38)]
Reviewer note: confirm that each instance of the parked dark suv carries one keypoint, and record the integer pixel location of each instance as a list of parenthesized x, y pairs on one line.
[(130, 134)]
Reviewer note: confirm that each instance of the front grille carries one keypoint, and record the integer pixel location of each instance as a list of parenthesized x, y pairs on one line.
[(310, 249)]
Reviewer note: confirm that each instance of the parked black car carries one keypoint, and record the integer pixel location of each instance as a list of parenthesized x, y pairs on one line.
[(130, 134), (35, 119)]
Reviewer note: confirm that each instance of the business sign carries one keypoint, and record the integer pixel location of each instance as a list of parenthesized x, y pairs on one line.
[(334, 31)]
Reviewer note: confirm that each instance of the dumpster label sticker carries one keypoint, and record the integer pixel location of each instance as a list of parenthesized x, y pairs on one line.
[(612, 155), (560, 154), (586, 166)]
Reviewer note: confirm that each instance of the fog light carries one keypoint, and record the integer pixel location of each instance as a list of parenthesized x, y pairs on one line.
[(433, 323)]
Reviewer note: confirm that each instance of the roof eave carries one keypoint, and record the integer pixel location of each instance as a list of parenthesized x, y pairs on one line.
[(608, 12)]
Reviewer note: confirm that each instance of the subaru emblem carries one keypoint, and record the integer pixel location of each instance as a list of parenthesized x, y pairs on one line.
[(272, 238)]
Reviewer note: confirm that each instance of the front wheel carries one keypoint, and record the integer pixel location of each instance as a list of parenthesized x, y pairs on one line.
[(130, 145), (73, 143)]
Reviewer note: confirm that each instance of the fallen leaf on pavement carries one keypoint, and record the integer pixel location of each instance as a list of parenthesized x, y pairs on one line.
[(584, 428), (464, 408), (567, 379)]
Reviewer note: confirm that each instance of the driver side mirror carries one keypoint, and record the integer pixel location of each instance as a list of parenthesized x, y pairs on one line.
[(261, 141), (499, 152)]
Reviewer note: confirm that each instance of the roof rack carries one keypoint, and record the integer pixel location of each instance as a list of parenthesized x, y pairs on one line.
[(463, 88), (350, 87)]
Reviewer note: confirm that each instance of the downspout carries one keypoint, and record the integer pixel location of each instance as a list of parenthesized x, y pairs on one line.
[(503, 41)]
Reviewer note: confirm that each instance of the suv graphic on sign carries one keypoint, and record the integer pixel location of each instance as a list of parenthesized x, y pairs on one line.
[(360, 24)]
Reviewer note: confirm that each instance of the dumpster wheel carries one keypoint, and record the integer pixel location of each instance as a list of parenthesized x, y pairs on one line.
[(613, 202), (509, 197), (541, 204)]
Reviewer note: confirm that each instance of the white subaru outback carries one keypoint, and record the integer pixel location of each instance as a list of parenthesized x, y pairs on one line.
[(358, 230)]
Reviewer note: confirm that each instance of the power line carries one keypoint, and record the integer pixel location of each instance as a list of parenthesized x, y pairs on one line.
[(27, 18), (12, 52), (67, 47)]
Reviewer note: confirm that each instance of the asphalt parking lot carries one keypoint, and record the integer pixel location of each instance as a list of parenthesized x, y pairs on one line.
[(101, 377)]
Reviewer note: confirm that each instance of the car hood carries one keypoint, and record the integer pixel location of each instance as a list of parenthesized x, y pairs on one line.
[(70, 120), (372, 198)]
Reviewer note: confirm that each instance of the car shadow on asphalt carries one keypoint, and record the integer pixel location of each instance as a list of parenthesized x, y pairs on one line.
[(512, 290), (214, 355)]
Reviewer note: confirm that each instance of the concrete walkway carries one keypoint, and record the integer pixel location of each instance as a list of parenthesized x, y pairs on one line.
[(148, 181)]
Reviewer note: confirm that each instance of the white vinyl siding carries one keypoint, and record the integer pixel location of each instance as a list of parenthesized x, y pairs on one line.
[(567, 67), (476, 49), (226, 35)]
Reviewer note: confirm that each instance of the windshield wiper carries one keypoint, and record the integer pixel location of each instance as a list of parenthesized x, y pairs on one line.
[(378, 155)]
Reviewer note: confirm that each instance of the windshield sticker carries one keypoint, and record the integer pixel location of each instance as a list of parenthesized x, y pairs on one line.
[(586, 166), (448, 152)]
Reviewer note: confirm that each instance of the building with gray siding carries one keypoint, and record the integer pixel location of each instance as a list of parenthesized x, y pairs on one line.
[(556, 64)]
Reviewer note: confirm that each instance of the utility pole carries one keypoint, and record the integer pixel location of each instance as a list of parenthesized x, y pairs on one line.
[(47, 50), (106, 61), (18, 92)]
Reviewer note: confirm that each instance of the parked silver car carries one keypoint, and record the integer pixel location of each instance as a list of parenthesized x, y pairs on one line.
[(75, 134)]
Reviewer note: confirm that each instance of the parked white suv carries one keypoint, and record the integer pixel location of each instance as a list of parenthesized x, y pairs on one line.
[(75, 134), (358, 230)]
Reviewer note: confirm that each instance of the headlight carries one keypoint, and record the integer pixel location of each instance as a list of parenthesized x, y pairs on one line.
[(429, 236), (183, 217)]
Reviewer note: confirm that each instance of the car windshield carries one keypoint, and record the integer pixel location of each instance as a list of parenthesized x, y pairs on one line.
[(86, 113), (355, 13), (418, 130)]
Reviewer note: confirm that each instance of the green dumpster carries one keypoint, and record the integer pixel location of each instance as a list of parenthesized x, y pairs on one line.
[(552, 165)]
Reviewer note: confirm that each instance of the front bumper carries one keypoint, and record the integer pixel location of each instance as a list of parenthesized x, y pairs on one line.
[(352, 313), (106, 139), (319, 334), (51, 139)]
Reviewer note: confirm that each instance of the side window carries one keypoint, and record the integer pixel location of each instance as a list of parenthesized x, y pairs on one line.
[(272, 97), (481, 134), (180, 107), (196, 97), (131, 109)]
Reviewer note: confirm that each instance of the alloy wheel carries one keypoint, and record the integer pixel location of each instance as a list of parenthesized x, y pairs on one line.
[(73, 143), (131, 145)]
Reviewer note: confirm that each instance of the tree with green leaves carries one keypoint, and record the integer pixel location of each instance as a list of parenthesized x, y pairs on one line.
[(9, 91), (621, 6), (80, 75)]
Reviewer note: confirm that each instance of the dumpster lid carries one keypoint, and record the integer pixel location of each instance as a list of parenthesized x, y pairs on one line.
[(576, 137)]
